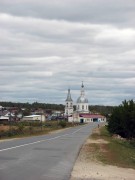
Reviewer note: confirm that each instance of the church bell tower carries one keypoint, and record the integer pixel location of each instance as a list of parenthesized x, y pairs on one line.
[(69, 104)]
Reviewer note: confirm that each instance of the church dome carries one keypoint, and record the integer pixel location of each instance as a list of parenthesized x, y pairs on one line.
[(82, 99)]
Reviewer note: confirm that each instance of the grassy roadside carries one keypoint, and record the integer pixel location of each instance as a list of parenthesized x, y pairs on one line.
[(34, 129), (110, 150)]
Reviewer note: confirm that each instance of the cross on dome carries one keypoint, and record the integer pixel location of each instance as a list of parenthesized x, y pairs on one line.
[(82, 85)]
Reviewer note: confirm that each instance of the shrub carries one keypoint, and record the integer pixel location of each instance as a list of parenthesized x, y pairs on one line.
[(62, 124), (20, 126)]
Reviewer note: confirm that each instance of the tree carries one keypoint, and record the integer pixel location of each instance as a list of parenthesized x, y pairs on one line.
[(122, 120), (26, 112)]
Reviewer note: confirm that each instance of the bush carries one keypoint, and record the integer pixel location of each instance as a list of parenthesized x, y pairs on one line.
[(20, 126), (62, 124), (9, 133)]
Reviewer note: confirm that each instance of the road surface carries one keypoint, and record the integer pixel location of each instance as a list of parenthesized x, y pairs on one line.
[(46, 157)]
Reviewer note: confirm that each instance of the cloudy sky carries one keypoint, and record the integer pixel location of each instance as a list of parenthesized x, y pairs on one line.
[(47, 46)]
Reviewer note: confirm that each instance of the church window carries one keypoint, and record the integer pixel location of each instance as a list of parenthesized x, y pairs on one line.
[(82, 106), (78, 106)]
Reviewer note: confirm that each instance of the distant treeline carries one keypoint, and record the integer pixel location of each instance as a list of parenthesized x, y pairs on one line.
[(34, 105), (105, 110)]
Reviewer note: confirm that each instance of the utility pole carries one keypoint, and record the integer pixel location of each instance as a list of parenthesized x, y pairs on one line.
[(41, 121), (10, 119)]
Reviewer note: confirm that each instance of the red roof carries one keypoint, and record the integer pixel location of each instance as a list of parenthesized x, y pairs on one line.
[(91, 116)]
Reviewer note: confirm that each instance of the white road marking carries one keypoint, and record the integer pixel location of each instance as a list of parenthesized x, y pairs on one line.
[(1, 150)]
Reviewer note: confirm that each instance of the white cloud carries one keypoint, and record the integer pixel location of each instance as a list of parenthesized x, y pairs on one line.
[(41, 55)]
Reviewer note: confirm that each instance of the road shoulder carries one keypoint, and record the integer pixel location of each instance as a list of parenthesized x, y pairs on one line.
[(88, 167)]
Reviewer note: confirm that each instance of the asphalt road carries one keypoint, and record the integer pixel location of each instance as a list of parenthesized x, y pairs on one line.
[(47, 157)]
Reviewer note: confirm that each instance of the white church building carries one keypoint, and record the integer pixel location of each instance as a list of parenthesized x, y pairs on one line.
[(82, 113)]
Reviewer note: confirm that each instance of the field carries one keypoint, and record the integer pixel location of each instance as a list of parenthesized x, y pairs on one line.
[(22, 129)]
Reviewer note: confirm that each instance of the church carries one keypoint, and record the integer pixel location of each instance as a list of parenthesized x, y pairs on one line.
[(82, 113)]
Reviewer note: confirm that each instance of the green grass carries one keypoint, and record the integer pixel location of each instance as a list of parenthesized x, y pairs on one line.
[(123, 153), (117, 152), (31, 129)]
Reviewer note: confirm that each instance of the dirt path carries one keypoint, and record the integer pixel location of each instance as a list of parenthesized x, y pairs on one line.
[(88, 168)]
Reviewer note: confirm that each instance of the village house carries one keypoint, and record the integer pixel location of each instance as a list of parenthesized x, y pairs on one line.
[(32, 118)]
